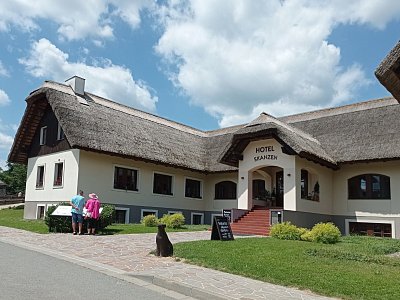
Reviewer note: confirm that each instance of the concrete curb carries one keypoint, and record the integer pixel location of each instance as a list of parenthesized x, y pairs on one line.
[(181, 288)]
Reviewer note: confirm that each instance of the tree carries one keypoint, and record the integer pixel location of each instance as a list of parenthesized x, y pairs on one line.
[(15, 177)]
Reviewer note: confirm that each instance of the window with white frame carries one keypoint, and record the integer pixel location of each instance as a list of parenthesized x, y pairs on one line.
[(146, 212), (40, 211), (162, 184), (40, 177), (121, 215), (60, 132), (58, 174), (125, 179), (197, 218), (193, 188), (171, 212), (43, 135)]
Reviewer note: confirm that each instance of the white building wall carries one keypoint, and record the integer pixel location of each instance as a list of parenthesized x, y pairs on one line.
[(96, 175), (251, 161), (324, 176), (50, 194), (211, 204), (366, 208)]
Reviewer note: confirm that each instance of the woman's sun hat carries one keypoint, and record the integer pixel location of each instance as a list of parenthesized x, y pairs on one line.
[(93, 195)]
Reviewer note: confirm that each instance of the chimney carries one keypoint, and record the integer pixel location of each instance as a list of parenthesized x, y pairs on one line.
[(78, 84)]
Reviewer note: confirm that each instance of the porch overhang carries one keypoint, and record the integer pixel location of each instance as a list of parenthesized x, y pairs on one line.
[(233, 153)]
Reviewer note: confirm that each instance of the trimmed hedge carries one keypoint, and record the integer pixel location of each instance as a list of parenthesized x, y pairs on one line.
[(326, 233), (286, 231), (171, 221), (149, 221), (63, 224)]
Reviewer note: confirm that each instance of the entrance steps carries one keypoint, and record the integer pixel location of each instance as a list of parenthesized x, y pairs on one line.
[(256, 221)]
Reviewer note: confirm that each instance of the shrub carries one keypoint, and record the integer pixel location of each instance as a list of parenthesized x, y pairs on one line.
[(107, 216), (57, 223), (174, 221), (149, 221), (63, 223), (307, 236), (286, 231), (326, 233)]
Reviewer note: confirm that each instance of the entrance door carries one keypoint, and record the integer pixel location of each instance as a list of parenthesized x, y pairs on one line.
[(279, 189)]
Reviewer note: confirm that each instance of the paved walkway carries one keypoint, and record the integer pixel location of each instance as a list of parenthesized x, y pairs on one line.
[(128, 256)]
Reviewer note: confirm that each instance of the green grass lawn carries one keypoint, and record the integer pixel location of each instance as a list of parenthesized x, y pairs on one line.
[(354, 268), (14, 218)]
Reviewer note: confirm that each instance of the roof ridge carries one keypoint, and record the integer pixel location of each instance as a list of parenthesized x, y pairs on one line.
[(139, 113), (339, 110)]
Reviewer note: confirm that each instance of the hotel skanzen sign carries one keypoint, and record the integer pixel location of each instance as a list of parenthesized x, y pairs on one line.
[(265, 153)]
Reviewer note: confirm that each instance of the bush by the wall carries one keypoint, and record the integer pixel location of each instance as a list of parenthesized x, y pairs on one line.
[(326, 233), (149, 221), (107, 216), (176, 220), (57, 223), (63, 223), (286, 231)]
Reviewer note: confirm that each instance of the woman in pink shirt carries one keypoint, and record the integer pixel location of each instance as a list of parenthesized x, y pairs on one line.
[(92, 213)]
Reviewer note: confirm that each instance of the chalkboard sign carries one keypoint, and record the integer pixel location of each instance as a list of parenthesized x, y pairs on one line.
[(221, 229), (227, 213)]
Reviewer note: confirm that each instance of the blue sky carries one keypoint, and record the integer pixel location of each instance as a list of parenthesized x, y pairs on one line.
[(203, 63)]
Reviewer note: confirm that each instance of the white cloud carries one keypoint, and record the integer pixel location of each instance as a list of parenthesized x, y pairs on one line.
[(4, 99), (3, 70), (236, 58), (103, 78), (129, 10), (5, 141), (76, 19)]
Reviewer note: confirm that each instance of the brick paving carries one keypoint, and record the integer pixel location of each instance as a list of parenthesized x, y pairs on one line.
[(130, 255)]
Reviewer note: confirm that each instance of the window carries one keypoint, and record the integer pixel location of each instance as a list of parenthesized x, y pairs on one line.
[(146, 212), (125, 179), (162, 184), (58, 174), (197, 219), (369, 186), (193, 188), (259, 191), (225, 190), (60, 133), (370, 229), (304, 184), (121, 215), (40, 211), (43, 135), (40, 177)]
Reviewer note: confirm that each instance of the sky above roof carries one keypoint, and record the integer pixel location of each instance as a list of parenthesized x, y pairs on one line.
[(204, 63)]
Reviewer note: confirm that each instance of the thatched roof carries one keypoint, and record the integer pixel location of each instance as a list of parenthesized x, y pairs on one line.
[(388, 72), (294, 140), (362, 132), (359, 132)]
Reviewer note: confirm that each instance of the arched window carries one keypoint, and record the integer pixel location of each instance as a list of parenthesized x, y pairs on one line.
[(225, 190), (369, 186)]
